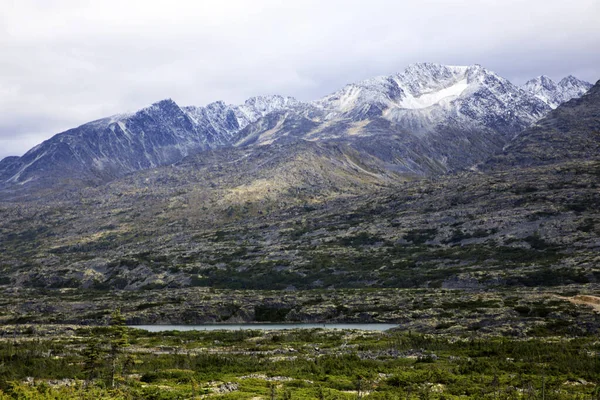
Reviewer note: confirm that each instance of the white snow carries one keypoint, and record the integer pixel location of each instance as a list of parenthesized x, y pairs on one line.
[(15, 177), (547, 99), (259, 106), (349, 100), (429, 99), (554, 94), (119, 117)]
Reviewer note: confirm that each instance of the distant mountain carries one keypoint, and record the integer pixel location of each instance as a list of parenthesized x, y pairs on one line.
[(418, 101), (429, 119), (571, 132), (426, 95), (160, 134), (555, 94)]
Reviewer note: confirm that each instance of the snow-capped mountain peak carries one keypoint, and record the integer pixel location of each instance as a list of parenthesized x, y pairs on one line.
[(259, 106), (425, 95), (555, 94), (426, 85), (419, 86), (426, 78), (571, 81), (429, 117), (542, 81)]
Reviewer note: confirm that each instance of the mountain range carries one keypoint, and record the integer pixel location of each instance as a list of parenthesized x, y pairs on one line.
[(301, 214), (429, 119), (555, 94), (350, 190)]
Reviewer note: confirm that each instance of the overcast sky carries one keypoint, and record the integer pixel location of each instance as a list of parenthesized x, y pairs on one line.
[(67, 62)]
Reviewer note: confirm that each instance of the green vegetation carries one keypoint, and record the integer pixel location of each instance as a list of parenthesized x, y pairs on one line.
[(297, 364)]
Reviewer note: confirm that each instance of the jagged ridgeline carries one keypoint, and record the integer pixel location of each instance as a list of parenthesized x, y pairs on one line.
[(287, 211), (427, 120)]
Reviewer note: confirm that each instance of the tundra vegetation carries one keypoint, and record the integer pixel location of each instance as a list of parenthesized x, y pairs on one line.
[(50, 362), (449, 344), (490, 278)]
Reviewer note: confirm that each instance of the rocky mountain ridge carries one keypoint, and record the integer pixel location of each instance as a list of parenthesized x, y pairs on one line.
[(553, 93), (429, 119), (427, 95), (160, 134), (570, 132)]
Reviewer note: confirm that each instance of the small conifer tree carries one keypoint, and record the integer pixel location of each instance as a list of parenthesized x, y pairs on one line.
[(118, 343)]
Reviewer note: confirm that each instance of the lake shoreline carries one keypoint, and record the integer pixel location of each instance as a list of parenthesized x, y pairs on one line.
[(266, 326)]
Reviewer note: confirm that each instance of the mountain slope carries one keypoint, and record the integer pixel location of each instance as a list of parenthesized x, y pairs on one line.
[(430, 119), (555, 94), (304, 214), (161, 134), (426, 95), (101, 150), (571, 132)]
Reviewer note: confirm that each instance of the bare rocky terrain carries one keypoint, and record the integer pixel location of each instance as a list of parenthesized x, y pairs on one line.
[(518, 312)]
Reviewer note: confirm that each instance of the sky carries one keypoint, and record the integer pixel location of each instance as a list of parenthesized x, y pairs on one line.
[(67, 62)]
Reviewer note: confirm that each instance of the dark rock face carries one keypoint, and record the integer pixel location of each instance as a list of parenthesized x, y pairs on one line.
[(102, 150)]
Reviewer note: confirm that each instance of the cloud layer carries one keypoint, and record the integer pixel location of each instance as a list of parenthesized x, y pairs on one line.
[(66, 62)]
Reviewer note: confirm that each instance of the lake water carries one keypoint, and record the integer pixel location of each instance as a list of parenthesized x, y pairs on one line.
[(265, 327)]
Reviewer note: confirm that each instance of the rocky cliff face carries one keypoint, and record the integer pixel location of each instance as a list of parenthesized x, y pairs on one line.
[(102, 150), (429, 119), (425, 96), (160, 134)]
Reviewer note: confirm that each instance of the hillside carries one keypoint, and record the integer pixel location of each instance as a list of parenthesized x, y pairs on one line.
[(323, 216)]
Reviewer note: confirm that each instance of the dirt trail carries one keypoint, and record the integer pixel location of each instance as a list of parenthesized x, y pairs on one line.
[(592, 301)]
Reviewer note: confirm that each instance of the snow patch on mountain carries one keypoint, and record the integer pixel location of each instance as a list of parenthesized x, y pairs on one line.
[(429, 99), (259, 106), (426, 95)]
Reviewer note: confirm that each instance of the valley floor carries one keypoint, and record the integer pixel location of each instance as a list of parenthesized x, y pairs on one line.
[(518, 343), (63, 362)]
